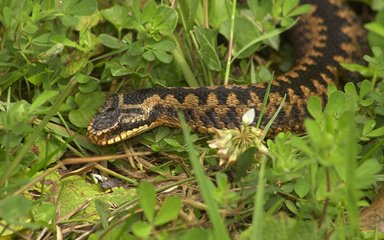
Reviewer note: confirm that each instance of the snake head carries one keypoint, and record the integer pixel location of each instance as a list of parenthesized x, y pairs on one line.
[(117, 121)]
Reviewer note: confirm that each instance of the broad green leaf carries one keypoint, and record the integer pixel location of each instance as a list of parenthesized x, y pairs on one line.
[(69, 20), (147, 198), (19, 116), (366, 172), (116, 14), (79, 7), (15, 208), (88, 103), (242, 36), (44, 212), (168, 211), (75, 66), (47, 151), (89, 86), (206, 39), (165, 20)]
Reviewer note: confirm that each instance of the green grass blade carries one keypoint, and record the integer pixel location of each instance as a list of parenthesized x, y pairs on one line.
[(258, 212), (229, 61), (219, 227)]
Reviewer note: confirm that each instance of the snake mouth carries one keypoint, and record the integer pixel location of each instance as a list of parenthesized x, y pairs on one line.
[(114, 135)]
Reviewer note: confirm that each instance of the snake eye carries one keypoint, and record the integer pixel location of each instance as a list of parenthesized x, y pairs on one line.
[(105, 121)]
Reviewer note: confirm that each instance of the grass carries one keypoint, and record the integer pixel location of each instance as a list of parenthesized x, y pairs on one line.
[(60, 60)]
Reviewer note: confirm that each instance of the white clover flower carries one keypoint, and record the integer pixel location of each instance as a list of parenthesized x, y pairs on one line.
[(249, 117), (230, 143)]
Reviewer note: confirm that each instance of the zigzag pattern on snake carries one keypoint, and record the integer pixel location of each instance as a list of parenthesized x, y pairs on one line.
[(323, 38)]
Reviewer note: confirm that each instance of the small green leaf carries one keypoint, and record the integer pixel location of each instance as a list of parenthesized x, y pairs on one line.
[(89, 86), (302, 187), (378, 132), (141, 229), (165, 45), (163, 56), (315, 108), (147, 199), (65, 41), (118, 70), (314, 131), (42, 98), (365, 87), (110, 41), (82, 78), (168, 211), (148, 55), (149, 11), (289, 5), (291, 206), (375, 27), (305, 8), (136, 49), (264, 74), (37, 78), (173, 142), (30, 28)]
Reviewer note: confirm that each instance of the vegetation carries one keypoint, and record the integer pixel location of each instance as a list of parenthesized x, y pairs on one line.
[(59, 60)]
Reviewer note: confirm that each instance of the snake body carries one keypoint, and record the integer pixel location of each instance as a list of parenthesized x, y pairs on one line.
[(323, 38)]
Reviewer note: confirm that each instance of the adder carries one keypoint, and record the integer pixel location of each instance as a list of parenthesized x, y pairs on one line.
[(322, 39)]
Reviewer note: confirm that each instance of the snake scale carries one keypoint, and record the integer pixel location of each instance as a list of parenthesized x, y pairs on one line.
[(321, 39)]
